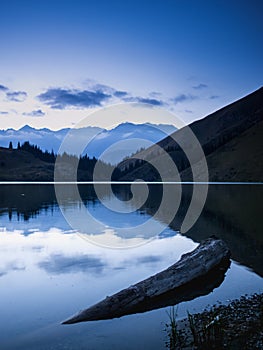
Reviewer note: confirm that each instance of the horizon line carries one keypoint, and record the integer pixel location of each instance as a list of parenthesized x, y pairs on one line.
[(130, 183)]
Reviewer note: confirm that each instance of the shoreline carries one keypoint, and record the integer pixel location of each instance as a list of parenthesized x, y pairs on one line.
[(237, 325)]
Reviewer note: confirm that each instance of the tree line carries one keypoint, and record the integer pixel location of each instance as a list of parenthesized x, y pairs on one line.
[(85, 162)]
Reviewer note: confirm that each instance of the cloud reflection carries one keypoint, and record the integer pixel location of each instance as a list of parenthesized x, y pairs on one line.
[(11, 266), (150, 259), (60, 264), (60, 253)]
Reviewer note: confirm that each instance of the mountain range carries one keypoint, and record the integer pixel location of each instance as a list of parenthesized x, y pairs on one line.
[(231, 140), (98, 139)]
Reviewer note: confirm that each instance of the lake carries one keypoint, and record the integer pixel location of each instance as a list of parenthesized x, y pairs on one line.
[(55, 263)]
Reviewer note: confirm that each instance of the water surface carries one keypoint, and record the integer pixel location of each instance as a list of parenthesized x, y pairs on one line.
[(49, 271)]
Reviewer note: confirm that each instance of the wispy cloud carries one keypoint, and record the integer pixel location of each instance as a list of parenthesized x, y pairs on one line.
[(126, 96), (200, 86), (102, 88), (149, 259), (120, 94), (109, 90), (183, 98), (151, 101), (11, 266), (60, 264), (3, 88), (13, 96), (35, 113), (95, 96), (59, 98), (155, 94), (16, 96)]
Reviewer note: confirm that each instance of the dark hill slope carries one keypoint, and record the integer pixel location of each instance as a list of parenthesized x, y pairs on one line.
[(231, 139), (19, 165), (240, 159), (29, 163)]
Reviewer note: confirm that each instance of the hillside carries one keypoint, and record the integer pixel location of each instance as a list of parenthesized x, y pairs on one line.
[(29, 163), (20, 165), (231, 139), (240, 159)]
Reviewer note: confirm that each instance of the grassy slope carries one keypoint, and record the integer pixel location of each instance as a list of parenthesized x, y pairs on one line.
[(240, 159), (18, 165), (235, 134)]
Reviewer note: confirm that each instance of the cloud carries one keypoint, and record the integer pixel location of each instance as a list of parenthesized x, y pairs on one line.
[(94, 95), (200, 86), (149, 259), (91, 85), (35, 113), (61, 264), (213, 97), (16, 96), (3, 88), (151, 101), (11, 266), (59, 98), (107, 90), (183, 98), (155, 94), (102, 88), (120, 94)]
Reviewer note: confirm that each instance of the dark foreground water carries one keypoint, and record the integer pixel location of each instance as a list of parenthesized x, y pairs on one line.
[(49, 271)]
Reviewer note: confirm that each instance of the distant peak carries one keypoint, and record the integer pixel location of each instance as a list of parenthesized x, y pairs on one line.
[(125, 124), (26, 128)]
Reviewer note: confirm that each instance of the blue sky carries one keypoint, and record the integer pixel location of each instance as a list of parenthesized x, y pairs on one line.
[(61, 59)]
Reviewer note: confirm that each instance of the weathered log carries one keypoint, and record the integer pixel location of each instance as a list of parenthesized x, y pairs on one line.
[(195, 274)]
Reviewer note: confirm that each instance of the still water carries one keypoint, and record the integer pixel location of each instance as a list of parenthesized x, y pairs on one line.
[(49, 270)]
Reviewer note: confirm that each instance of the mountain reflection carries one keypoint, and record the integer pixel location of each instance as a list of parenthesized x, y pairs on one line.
[(231, 212), (23, 202)]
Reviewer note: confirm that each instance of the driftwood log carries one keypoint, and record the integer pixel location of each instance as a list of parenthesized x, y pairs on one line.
[(196, 273)]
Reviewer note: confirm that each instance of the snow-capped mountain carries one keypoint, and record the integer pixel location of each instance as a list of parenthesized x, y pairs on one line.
[(45, 138), (112, 145), (127, 138)]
